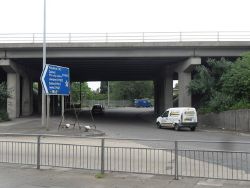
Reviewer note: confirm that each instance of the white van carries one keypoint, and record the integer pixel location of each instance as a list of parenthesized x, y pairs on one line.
[(177, 118)]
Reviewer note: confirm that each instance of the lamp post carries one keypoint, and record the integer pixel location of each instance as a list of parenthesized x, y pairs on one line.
[(44, 64)]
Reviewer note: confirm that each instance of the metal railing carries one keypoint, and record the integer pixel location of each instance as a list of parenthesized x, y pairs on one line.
[(221, 160), (125, 37)]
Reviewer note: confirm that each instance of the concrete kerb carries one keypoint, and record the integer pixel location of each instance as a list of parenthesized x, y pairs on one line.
[(233, 132)]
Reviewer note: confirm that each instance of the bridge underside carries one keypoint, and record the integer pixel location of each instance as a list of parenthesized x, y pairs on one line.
[(96, 69), (21, 65)]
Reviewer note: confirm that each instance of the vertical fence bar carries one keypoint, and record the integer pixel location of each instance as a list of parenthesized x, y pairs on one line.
[(106, 37), (33, 37), (38, 152), (176, 159), (69, 37), (102, 156)]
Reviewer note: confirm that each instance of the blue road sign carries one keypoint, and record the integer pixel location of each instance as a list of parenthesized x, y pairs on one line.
[(55, 80)]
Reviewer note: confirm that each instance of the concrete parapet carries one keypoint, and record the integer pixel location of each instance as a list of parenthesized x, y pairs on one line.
[(238, 120)]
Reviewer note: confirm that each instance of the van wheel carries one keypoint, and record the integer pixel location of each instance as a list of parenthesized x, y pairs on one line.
[(193, 128), (158, 125), (176, 127)]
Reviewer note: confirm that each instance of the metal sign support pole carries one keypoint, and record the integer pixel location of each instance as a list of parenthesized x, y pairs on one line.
[(48, 112), (44, 64), (62, 108)]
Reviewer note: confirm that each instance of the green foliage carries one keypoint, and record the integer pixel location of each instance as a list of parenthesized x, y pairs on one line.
[(242, 104), (104, 87), (75, 91), (220, 102), (99, 175), (208, 77), (130, 90), (236, 81), (4, 116), (222, 85), (4, 94)]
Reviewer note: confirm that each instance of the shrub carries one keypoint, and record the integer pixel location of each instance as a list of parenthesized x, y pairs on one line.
[(4, 116)]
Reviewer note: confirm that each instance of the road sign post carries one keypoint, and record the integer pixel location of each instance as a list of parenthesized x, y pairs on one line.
[(55, 81), (44, 63)]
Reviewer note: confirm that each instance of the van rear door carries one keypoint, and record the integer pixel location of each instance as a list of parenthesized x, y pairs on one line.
[(189, 116)]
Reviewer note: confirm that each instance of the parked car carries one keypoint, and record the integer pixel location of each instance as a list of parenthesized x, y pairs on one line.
[(145, 103), (97, 109), (177, 118)]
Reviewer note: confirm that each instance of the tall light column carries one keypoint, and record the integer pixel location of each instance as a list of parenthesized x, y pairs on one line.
[(44, 63)]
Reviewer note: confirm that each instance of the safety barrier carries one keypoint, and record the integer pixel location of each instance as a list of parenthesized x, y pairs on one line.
[(126, 37), (220, 160)]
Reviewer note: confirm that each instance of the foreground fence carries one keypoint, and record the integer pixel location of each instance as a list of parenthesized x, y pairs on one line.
[(221, 160)]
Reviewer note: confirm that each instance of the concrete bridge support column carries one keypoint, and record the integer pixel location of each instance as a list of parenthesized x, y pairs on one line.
[(27, 96), (184, 75), (184, 96), (163, 94), (18, 100), (13, 103), (156, 97), (168, 91)]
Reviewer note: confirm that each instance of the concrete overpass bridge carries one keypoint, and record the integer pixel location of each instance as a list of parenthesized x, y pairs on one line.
[(141, 58)]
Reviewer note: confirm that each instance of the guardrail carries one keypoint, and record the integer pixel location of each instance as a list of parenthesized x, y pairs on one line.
[(126, 37), (221, 160)]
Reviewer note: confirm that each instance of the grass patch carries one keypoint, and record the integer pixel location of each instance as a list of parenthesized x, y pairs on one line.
[(99, 175)]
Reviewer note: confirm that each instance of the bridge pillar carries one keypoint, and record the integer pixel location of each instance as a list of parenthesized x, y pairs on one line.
[(156, 97), (13, 103), (184, 96), (184, 76), (27, 96), (163, 94), (20, 86)]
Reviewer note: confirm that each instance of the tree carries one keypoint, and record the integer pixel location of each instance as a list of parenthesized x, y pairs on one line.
[(207, 80), (4, 94), (236, 82), (85, 91), (223, 85), (130, 90), (104, 87)]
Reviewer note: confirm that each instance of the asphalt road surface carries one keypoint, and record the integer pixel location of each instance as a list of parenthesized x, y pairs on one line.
[(140, 123)]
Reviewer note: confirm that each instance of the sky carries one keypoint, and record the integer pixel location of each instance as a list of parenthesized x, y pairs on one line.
[(94, 16)]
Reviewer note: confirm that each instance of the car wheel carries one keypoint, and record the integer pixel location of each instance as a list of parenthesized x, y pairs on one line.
[(158, 125), (193, 128), (176, 127)]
